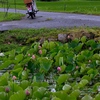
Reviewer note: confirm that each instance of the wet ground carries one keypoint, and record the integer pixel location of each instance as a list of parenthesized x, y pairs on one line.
[(51, 20)]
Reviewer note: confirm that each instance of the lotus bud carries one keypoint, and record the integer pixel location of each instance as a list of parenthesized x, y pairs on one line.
[(25, 68), (28, 54), (39, 47), (59, 69), (7, 89), (14, 78), (40, 51), (68, 36), (33, 57), (77, 67), (9, 43), (27, 93)]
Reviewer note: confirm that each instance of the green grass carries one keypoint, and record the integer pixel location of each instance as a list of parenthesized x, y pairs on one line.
[(10, 16), (87, 7), (16, 38), (73, 6)]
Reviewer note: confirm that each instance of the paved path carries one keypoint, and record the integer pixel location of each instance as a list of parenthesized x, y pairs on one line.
[(51, 20)]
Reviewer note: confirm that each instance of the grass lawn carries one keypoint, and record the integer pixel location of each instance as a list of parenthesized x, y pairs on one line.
[(16, 38), (73, 6), (10, 16)]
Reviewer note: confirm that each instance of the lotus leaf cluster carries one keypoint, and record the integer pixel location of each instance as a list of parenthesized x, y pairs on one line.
[(52, 71)]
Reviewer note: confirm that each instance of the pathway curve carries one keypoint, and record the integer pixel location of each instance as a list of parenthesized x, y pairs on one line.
[(51, 20)]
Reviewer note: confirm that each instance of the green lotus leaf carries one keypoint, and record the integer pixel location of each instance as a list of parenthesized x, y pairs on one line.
[(45, 64), (97, 97), (57, 57), (2, 88), (5, 64), (72, 97), (52, 45), (86, 77), (36, 48), (78, 48), (87, 97), (14, 87), (23, 49), (75, 93), (62, 78), (3, 96), (45, 45), (91, 43), (18, 58), (96, 57), (39, 77), (70, 68), (15, 72), (62, 95), (46, 98), (20, 95), (32, 66), (90, 71), (12, 54), (24, 84), (83, 39), (66, 87), (82, 83), (55, 98), (95, 87), (24, 75), (30, 51), (74, 43), (40, 92), (4, 79), (63, 67), (60, 61), (40, 84), (44, 51), (25, 61), (83, 68)]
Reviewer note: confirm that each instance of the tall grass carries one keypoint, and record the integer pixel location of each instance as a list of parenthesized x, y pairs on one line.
[(10, 16), (73, 6)]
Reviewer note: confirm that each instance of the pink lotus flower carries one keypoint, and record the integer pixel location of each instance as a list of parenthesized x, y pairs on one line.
[(40, 51), (68, 36), (28, 54), (14, 78), (39, 47), (7, 89), (27, 93), (25, 68), (77, 67), (9, 43), (59, 69), (33, 57)]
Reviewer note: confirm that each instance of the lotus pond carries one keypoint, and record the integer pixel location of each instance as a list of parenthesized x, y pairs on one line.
[(52, 71)]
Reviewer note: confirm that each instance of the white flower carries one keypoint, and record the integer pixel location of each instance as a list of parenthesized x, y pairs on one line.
[(53, 90), (1, 54), (99, 88)]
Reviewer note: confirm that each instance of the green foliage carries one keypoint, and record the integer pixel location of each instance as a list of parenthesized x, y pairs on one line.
[(34, 76)]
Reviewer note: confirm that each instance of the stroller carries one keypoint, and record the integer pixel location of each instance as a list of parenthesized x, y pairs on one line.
[(31, 8)]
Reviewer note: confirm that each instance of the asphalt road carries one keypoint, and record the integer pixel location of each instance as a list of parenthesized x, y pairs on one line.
[(51, 20)]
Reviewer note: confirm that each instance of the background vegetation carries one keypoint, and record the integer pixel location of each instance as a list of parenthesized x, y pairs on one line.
[(10, 16), (73, 6)]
